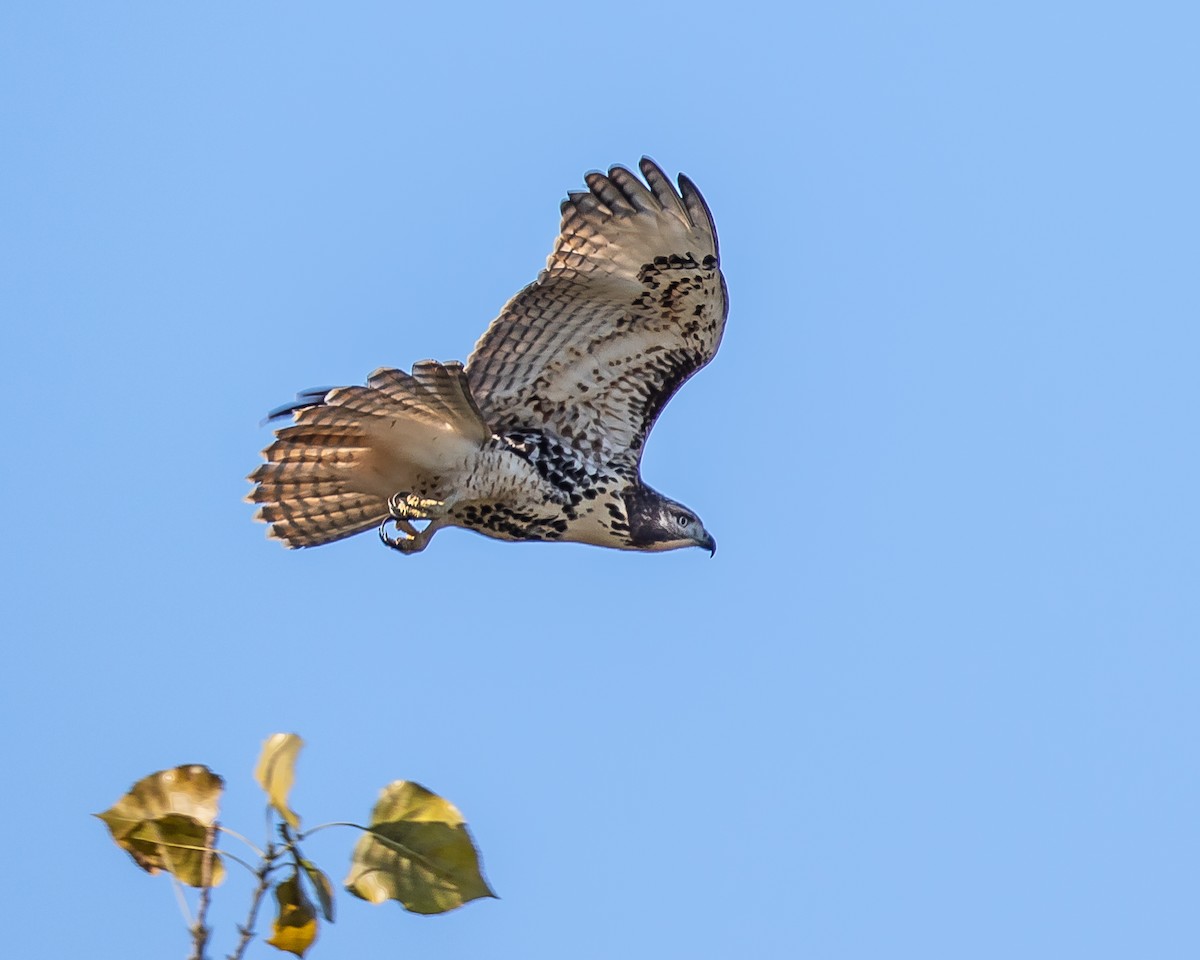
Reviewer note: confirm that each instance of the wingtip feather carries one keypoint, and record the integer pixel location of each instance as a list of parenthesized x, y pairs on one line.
[(636, 193), (698, 209), (662, 188)]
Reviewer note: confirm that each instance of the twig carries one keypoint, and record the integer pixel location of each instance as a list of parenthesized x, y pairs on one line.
[(238, 836), (247, 930), (200, 930)]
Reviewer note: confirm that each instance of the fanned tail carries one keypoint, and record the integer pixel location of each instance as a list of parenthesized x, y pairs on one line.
[(329, 474)]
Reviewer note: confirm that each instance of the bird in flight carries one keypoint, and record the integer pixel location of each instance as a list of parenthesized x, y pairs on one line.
[(540, 435)]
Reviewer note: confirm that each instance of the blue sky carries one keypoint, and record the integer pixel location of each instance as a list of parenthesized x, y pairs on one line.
[(936, 694)]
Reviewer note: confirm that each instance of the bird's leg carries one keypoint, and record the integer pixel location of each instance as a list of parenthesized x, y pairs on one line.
[(404, 508), (415, 542), (404, 527)]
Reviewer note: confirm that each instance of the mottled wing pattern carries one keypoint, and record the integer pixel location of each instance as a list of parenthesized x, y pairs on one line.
[(631, 304)]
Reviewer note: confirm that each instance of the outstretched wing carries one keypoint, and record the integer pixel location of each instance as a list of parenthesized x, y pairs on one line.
[(631, 304)]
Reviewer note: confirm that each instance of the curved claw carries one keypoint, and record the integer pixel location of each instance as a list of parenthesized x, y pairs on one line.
[(393, 542), (413, 540), (410, 541)]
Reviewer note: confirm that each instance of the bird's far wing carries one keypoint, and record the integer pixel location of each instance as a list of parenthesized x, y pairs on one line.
[(631, 304)]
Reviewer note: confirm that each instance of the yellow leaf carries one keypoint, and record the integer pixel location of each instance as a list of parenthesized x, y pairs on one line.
[(417, 851), (295, 927), (163, 822), (276, 771)]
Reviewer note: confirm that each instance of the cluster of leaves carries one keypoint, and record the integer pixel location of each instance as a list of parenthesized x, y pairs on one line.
[(415, 850)]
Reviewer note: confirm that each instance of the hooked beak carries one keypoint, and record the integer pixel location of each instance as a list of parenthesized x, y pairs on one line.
[(709, 544)]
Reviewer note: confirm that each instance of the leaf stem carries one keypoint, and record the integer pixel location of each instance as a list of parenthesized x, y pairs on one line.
[(238, 836), (226, 855), (338, 823)]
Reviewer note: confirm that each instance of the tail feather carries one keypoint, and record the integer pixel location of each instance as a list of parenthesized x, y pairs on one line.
[(306, 398), (329, 474), (270, 475), (327, 433), (291, 491), (330, 456), (309, 521), (393, 383), (309, 508)]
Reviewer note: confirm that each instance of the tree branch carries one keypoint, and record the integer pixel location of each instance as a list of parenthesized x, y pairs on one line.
[(247, 929), (200, 930)]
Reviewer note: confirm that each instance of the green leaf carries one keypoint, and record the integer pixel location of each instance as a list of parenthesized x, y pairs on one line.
[(164, 819), (417, 851), (323, 887), (276, 771), (295, 926)]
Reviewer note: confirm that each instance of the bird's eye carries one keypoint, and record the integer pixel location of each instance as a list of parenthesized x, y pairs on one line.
[(682, 519)]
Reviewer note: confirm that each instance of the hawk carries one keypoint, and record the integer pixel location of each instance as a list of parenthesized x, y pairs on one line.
[(540, 435)]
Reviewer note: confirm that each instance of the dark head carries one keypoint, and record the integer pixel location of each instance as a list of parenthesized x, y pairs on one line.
[(657, 523)]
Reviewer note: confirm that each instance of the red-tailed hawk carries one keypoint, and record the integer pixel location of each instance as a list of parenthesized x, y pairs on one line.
[(540, 436)]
